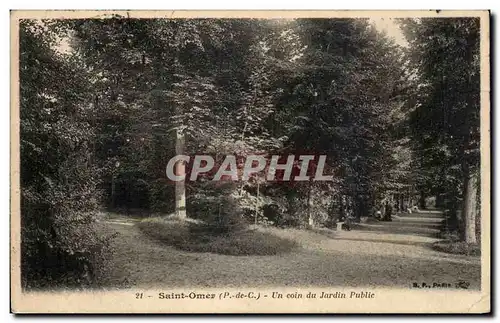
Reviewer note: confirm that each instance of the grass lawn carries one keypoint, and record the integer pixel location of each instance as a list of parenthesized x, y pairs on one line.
[(195, 237)]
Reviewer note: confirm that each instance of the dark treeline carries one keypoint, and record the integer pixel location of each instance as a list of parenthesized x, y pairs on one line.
[(105, 104)]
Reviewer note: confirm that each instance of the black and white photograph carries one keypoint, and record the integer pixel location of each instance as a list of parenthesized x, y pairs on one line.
[(205, 162)]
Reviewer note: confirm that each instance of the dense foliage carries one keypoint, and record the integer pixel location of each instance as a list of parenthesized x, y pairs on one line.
[(444, 55), (58, 175), (101, 119)]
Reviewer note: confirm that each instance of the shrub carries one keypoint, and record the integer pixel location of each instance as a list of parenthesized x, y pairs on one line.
[(452, 236), (272, 212), (458, 247), (289, 220), (60, 243), (217, 206), (161, 195)]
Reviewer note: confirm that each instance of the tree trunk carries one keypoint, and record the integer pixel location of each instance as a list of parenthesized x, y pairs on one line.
[(469, 208), (180, 190), (342, 207), (257, 204), (470, 179), (422, 200), (309, 213), (359, 207), (113, 190), (383, 207)]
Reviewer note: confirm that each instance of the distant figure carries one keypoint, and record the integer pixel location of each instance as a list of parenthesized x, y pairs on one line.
[(347, 223), (378, 215), (415, 209)]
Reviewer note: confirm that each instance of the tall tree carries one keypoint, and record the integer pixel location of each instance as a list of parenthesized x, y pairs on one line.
[(58, 179), (344, 101), (444, 54)]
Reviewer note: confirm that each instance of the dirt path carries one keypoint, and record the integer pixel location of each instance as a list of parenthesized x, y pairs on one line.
[(379, 255)]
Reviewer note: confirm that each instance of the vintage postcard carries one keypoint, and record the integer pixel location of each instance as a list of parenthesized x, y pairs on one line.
[(250, 162)]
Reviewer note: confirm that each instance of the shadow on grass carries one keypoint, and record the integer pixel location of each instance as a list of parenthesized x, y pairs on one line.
[(402, 230), (446, 246), (195, 237), (420, 224), (336, 236), (400, 242)]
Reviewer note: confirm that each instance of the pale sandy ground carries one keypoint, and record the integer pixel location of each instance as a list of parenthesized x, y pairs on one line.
[(384, 254)]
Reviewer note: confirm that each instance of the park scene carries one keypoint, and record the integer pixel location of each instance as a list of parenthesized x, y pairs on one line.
[(250, 152)]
